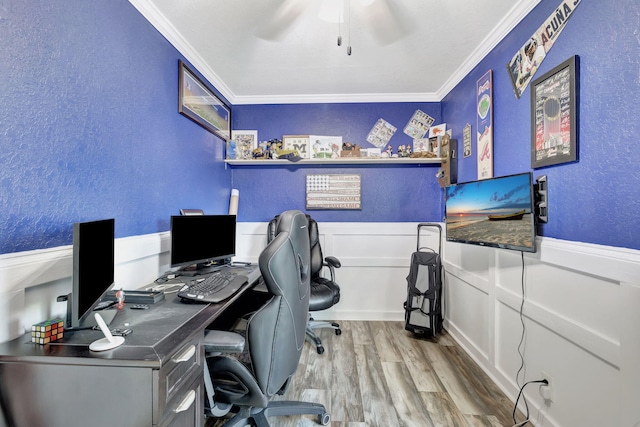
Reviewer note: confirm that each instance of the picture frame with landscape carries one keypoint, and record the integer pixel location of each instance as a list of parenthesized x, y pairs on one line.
[(198, 102)]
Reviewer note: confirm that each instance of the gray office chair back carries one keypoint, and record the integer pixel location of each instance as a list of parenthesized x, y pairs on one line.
[(315, 253), (276, 332)]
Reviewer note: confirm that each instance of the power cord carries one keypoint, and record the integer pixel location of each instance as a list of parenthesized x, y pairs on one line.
[(521, 313), (515, 407), (524, 399)]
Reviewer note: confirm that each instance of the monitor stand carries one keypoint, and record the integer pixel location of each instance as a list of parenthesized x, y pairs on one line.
[(89, 321), (204, 268)]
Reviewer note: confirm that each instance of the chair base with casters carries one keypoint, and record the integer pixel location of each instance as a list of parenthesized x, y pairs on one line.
[(316, 324), (258, 417), (324, 294)]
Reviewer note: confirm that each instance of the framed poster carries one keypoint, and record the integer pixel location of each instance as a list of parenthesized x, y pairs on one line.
[(484, 129), (334, 191), (198, 102), (554, 116)]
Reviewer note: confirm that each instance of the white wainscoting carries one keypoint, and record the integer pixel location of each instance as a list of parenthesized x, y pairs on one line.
[(375, 261), (581, 311), (582, 321)]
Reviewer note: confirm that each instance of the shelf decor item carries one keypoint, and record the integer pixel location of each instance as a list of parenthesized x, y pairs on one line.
[(554, 116), (200, 104), (325, 147), (300, 143), (246, 141), (418, 125)]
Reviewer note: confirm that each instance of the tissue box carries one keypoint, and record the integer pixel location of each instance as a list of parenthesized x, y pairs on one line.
[(47, 331)]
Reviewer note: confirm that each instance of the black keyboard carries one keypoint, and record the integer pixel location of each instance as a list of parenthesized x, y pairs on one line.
[(215, 288)]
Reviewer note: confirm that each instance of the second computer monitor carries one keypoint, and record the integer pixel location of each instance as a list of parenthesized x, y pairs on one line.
[(197, 241)]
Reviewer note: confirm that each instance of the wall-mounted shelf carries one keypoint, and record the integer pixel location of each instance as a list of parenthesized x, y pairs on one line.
[(340, 161)]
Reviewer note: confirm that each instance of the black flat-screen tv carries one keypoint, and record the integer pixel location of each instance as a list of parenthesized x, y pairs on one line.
[(93, 272), (496, 212), (198, 241)]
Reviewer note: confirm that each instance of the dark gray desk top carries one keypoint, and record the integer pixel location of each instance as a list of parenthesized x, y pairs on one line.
[(157, 333)]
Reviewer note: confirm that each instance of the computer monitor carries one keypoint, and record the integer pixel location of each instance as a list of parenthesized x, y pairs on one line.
[(200, 243), (93, 272)]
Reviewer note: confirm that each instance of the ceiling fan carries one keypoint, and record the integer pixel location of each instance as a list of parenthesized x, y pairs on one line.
[(386, 20)]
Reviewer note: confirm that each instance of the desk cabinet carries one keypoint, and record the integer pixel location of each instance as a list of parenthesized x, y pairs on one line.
[(154, 379), (63, 392)]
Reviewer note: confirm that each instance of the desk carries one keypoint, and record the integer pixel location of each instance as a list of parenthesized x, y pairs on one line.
[(154, 379)]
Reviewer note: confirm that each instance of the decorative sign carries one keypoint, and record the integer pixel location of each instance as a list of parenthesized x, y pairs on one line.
[(381, 133), (484, 92), (334, 191), (418, 125), (526, 61), (466, 140)]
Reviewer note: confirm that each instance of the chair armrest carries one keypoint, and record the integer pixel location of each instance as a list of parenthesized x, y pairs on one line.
[(222, 342), (333, 261)]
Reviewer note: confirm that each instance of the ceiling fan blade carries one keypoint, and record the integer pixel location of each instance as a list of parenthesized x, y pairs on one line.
[(276, 27), (386, 20)]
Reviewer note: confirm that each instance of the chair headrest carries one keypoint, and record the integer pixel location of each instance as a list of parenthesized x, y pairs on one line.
[(290, 245)]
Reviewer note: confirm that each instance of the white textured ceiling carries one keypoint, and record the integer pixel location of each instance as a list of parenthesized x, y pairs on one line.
[(440, 42)]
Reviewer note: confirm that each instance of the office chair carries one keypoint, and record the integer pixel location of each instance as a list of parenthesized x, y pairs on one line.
[(275, 335), (325, 293)]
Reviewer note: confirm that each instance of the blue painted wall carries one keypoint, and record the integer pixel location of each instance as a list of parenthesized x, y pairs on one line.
[(596, 200), (89, 129), (389, 193), (89, 126)]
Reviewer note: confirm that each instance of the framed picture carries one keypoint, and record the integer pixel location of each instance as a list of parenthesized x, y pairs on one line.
[(198, 102), (297, 142), (554, 116), (334, 191), (325, 147), (246, 142)]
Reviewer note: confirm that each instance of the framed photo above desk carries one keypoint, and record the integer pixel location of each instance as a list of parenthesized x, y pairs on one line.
[(198, 102)]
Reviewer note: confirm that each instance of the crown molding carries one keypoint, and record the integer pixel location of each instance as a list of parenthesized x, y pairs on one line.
[(504, 27), (162, 24), (336, 98)]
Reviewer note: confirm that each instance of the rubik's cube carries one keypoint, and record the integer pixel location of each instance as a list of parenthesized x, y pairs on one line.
[(47, 331)]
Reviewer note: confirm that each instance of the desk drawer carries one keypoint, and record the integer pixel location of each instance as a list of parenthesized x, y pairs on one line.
[(187, 410), (179, 371)]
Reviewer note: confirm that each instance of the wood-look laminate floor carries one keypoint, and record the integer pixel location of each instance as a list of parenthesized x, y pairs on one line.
[(376, 374)]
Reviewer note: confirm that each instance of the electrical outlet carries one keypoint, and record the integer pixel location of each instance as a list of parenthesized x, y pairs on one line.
[(547, 390)]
